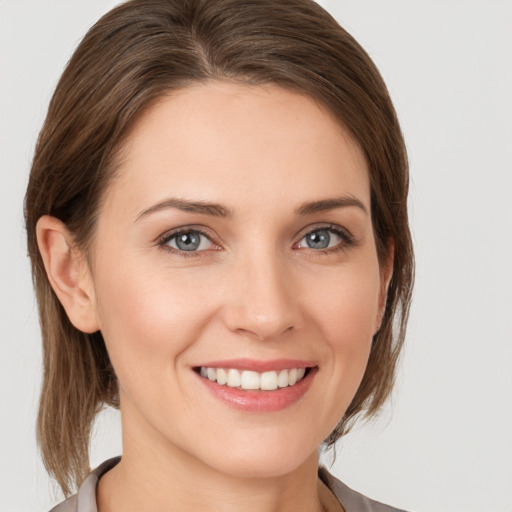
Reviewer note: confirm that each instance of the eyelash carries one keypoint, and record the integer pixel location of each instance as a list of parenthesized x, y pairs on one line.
[(347, 242)]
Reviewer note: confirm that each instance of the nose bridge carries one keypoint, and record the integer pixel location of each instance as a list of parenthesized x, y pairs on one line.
[(264, 303)]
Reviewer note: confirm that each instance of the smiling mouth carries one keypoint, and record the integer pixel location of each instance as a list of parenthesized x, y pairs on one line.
[(252, 380)]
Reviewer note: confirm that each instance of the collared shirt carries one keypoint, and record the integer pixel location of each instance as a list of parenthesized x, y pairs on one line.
[(85, 499)]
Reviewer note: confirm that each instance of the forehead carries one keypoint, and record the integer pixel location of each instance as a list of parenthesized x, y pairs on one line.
[(251, 145)]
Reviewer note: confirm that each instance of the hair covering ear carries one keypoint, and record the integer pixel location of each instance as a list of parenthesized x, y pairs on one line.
[(386, 274)]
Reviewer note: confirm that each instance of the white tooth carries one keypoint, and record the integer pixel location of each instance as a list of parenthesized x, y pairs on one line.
[(282, 380), (233, 378), (300, 374), (222, 377), (204, 373), (269, 381), (292, 376), (212, 373), (250, 380)]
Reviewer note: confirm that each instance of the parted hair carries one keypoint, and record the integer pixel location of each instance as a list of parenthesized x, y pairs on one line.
[(135, 54)]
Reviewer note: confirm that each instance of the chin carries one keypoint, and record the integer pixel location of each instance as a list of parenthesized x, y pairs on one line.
[(262, 458)]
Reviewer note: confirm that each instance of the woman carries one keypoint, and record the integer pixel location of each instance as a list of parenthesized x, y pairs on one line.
[(217, 222)]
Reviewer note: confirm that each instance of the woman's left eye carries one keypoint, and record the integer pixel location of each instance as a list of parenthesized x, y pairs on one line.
[(321, 239), (188, 241)]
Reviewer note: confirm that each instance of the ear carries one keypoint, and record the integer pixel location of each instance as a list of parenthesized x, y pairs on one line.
[(386, 273), (68, 273)]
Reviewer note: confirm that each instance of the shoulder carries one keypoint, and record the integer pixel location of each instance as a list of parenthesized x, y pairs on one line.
[(69, 505), (85, 499), (351, 500)]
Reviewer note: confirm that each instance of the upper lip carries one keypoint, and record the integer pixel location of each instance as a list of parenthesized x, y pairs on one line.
[(259, 366)]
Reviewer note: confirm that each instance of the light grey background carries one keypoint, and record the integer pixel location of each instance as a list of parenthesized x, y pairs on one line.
[(444, 443)]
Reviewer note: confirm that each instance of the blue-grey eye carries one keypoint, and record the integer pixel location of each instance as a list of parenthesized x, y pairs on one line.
[(189, 241), (320, 239)]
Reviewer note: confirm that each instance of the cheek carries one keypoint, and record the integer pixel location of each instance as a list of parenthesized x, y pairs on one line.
[(146, 319), (347, 312), (347, 307)]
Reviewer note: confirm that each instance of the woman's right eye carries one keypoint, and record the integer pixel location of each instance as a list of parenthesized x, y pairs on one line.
[(188, 241)]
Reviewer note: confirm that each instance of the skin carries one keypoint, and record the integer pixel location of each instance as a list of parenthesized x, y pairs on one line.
[(255, 289)]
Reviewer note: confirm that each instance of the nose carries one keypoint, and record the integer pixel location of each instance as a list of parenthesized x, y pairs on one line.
[(262, 298)]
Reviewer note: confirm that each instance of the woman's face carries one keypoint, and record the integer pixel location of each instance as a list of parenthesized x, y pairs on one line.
[(236, 244)]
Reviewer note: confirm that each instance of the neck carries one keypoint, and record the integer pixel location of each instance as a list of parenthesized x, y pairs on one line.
[(163, 485), (160, 476)]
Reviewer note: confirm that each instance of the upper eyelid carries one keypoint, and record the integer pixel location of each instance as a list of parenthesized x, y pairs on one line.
[(202, 230), (327, 226)]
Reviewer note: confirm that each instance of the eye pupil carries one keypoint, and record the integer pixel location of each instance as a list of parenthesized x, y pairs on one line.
[(318, 239), (188, 241)]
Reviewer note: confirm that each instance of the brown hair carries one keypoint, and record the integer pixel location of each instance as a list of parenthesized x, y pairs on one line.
[(136, 53)]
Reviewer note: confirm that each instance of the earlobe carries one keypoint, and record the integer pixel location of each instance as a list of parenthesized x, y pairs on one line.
[(68, 273)]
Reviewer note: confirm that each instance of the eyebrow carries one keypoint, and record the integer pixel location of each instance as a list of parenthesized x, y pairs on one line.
[(201, 207), (330, 204), (218, 210)]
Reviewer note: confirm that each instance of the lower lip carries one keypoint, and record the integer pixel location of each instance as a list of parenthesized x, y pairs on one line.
[(258, 400)]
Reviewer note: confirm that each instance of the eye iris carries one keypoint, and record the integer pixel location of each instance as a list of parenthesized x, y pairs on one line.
[(318, 239), (188, 241)]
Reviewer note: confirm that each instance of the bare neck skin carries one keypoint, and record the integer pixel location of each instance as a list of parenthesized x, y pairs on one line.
[(160, 476)]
